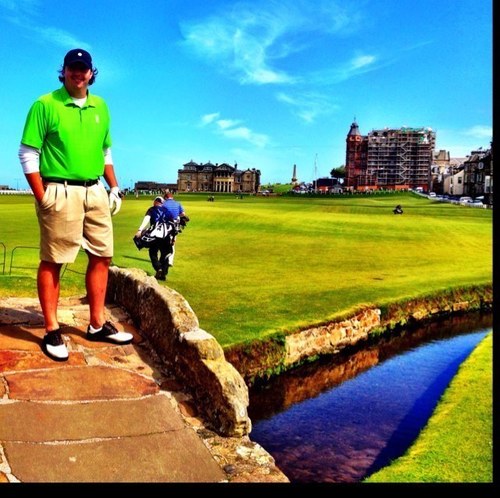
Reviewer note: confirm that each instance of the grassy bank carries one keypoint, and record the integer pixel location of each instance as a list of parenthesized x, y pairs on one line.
[(457, 443), (255, 266)]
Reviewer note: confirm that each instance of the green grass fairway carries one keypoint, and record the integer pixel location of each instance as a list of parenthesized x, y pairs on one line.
[(253, 266)]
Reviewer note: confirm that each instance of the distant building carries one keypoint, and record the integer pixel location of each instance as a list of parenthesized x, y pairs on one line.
[(389, 158), (153, 187), (328, 185), (478, 175), (208, 177), (441, 159), (453, 182), (439, 167), (447, 174)]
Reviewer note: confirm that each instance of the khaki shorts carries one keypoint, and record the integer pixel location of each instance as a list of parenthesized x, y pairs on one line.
[(73, 217)]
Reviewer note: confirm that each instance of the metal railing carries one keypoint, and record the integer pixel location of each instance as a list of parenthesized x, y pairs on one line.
[(12, 258), (4, 250), (66, 266)]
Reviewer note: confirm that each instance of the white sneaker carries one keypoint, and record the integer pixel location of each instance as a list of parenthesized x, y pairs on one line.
[(109, 333), (54, 347)]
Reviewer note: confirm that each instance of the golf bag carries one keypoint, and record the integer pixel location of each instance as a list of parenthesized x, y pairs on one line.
[(158, 231)]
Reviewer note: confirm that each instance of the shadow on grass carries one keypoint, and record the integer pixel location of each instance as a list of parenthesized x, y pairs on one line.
[(136, 259)]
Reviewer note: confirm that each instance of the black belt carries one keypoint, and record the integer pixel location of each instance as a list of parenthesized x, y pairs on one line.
[(79, 183)]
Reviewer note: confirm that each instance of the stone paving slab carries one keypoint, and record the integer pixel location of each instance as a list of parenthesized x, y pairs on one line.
[(20, 311), (123, 357), (147, 458), (99, 419), (78, 383), (21, 338), (15, 361)]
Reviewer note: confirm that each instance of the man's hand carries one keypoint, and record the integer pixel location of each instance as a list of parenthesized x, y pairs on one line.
[(115, 200)]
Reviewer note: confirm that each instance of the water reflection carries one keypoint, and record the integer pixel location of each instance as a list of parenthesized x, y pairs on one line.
[(343, 417)]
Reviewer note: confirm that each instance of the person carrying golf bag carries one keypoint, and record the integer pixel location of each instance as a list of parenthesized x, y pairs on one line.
[(157, 233)]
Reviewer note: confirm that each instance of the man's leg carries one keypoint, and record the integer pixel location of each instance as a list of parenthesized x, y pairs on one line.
[(165, 252), (48, 285), (171, 255), (96, 281), (155, 261), (153, 255)]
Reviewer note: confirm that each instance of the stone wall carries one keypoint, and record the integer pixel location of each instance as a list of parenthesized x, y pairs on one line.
[(261, 359), (165, 318), (218, 378), (330, 338)]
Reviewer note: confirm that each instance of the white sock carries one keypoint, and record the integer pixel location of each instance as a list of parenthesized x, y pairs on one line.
[(92, 330)]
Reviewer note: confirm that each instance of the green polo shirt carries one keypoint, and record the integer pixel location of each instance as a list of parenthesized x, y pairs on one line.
[(71, 139)]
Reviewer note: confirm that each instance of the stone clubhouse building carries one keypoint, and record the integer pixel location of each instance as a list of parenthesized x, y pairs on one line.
[(223, 177)]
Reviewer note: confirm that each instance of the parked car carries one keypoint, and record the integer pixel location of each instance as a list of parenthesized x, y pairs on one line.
[(464, 199), (432, 194)]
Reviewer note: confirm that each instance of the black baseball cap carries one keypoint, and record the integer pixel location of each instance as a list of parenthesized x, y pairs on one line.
[(78, 55)]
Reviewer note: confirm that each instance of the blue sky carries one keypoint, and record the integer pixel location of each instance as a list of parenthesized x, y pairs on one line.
[(265, 84)]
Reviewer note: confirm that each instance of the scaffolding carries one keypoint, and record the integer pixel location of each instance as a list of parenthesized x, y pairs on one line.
[(396, 158)]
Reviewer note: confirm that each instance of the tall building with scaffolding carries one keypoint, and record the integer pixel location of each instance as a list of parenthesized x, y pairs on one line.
[(390, 158)]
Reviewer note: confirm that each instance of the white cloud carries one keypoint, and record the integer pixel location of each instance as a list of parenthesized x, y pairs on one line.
[(480, 132), (227, 123), (230, 128), (343, 71), (25, 13), (460, 143), (236, 49), (249, 40), (243, 133), (362, 61), (308, 106), (21, 7), (359, 64), (209, 118), (60, 37)]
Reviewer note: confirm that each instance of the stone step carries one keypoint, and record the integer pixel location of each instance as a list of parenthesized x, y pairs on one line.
[(30, 421), (145, 458), (78, 383)]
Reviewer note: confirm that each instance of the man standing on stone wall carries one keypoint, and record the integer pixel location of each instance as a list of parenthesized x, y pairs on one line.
[(65, 149)]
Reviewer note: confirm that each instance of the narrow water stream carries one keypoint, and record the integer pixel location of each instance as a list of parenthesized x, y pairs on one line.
[(344, 417)]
